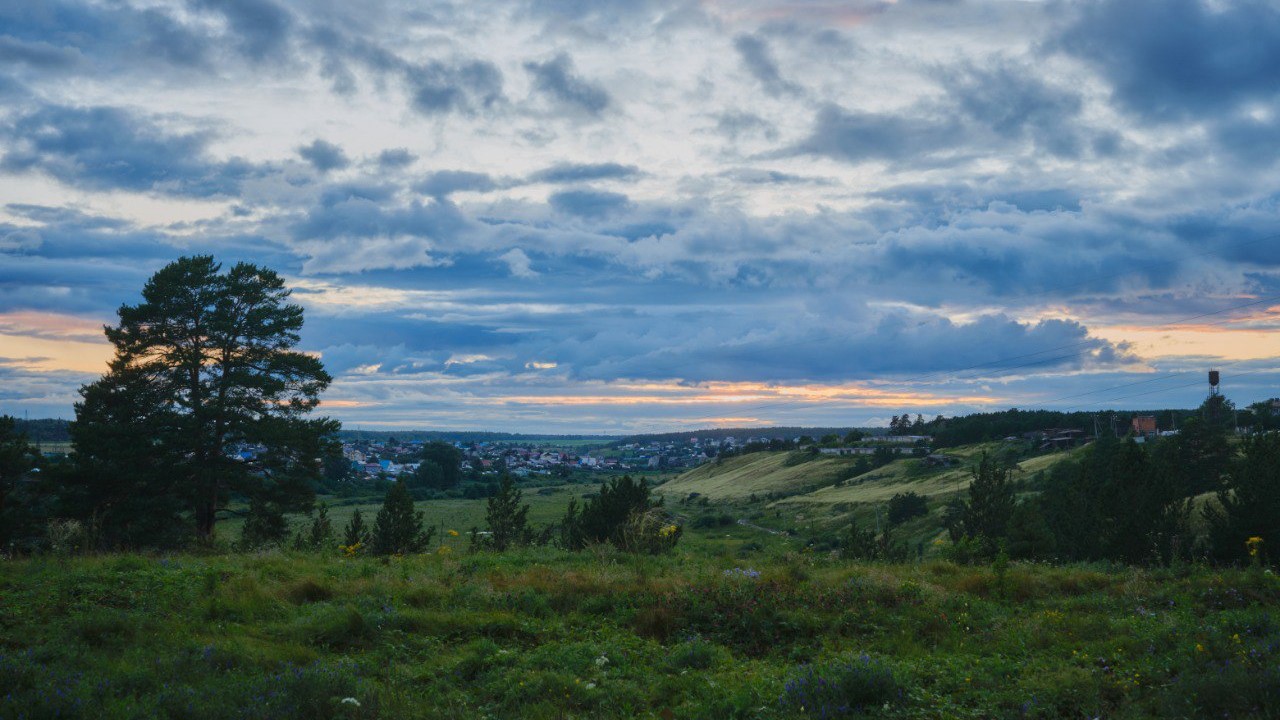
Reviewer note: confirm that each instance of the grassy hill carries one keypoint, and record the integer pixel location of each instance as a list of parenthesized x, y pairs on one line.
[(737, 478), (825, 481), (542, 633)]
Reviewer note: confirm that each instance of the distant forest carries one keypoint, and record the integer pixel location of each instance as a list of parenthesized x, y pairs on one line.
[(45, 430), (785, 433), (947, 432)]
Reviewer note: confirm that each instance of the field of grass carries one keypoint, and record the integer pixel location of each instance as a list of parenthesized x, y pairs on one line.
[(712, 631), (814, 483), (737, 478), (546, 505)]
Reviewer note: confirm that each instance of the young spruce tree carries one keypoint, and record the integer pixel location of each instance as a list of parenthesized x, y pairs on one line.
[(507, 519), (398, 529), (355, 533)]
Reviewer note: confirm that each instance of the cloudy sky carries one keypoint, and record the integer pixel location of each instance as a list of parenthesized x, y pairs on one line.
[(619, 215)]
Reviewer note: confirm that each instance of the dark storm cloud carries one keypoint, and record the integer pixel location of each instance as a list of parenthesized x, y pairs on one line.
[(1009, 100), (111, 148), (760, 63), (343, 192), (362, 218), (556, 79), (1172, 59), (584, 172), (465, 86), (855, 137), (90, 38), (260, 28), (757, 176), (444, 182), (38, 54), (324, 156), (396, 158), (737, 124), (434, 87), (588, 203)]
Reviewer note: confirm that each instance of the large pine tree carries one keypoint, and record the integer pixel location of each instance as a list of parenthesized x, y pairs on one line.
[(203, 365)]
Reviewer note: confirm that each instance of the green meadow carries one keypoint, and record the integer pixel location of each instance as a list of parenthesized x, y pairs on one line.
[(734, 624)]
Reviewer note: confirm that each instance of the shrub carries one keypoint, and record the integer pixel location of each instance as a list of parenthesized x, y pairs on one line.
[(398, 529), (356, 533), (264, 526), (904, 506), (507, 519), (652, 531), (696, 654), (66, 536), (622, 514), (843, 687)]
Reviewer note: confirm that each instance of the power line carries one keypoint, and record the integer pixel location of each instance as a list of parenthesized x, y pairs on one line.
[(1176, 387)]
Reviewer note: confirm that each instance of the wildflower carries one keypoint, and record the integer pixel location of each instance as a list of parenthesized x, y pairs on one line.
[(444, 550), (1199, 647), (453, 533), (667, 531), (602, 661), (1254, 545), (590, 686), (350, 550), (351, 701)]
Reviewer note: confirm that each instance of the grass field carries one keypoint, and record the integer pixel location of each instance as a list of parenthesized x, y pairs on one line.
[(712, 631), (546, 505), (814, 483), (737, 478)]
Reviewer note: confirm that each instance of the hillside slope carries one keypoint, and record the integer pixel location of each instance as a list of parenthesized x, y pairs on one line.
[(815, 482), (762, 473)]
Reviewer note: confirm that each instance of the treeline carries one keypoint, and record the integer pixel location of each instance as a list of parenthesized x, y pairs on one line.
[(45, 430), (1198, 494), (789, 434), (984, 427)]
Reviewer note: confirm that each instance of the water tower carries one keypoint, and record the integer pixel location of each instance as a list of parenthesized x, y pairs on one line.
[(1213, 382)]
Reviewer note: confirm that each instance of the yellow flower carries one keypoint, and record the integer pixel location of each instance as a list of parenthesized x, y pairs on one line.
[(453, 533), (1199, 647), (668, 530), (444, 550), (1254, 544)]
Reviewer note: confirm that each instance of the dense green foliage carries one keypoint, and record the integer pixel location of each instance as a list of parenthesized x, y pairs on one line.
[(17, 458), (398, 528), (623, 514), (1248, 504), (440, 468), (904, 506), (203, 365), (542, 633), (506, 518)]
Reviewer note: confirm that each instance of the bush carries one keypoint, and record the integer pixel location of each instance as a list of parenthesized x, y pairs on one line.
[(904, 506), (652, 531), (622, 514), (840, 688), (397, 529)]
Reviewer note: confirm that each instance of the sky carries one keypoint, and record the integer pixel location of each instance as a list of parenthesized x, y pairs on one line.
[(626, 216)]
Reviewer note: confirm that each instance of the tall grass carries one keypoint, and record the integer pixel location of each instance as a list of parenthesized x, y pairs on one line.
[(540, 633)]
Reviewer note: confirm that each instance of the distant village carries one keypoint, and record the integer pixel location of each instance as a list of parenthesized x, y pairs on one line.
[(392, 458)]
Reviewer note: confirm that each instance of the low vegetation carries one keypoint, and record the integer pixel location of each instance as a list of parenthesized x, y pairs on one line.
[(542, 633)]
